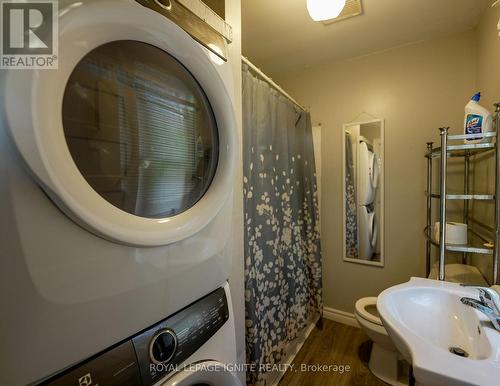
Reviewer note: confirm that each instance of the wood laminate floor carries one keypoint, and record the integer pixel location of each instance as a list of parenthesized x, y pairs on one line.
[(336, 344)]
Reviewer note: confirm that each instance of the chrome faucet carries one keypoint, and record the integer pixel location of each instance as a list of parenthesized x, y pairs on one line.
[(488, 304)]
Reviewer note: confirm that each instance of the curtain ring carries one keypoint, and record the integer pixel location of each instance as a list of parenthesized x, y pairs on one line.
[(165, 4)]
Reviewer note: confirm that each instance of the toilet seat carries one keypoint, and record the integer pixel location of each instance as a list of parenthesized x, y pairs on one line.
[(384, 361), (361, 309)]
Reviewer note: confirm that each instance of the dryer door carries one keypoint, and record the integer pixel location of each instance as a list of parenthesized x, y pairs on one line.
[(365, 174), (209, 373), (134, 136)]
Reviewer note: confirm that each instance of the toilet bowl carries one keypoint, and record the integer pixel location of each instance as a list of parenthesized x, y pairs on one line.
[(385, 361)]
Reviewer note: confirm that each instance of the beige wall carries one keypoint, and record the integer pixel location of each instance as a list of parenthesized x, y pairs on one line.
[(488, 57), (416, 89), (488, 81), (236, 280)]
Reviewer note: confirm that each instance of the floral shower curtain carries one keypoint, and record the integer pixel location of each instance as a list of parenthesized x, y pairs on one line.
[(351, 212), (283, 272)]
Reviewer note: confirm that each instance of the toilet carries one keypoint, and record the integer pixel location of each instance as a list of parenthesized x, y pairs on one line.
[(385, 361)]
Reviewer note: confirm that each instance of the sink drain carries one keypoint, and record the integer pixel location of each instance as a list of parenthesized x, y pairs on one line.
[(459, 351)]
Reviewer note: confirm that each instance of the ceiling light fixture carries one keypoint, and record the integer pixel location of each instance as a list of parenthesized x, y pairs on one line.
[(320, 10)]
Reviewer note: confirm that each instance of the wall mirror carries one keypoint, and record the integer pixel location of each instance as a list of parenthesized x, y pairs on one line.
[(363, 187)]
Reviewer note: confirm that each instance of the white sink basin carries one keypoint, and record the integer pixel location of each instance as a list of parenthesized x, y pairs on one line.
[(425, 319)]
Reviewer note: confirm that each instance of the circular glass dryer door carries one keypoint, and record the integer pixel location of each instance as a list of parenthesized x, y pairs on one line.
[(140, 129), (134, 135)]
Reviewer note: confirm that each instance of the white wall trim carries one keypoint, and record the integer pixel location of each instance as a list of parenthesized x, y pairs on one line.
[(340, 316)]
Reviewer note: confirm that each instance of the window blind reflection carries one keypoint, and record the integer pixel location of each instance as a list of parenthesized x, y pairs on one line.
[(140, 129)]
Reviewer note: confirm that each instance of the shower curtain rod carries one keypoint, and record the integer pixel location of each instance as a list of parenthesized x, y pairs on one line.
[(272, 82)]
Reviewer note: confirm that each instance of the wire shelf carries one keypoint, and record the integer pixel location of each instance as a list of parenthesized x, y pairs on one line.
[(463, 197), (460, 248), (465, 150)]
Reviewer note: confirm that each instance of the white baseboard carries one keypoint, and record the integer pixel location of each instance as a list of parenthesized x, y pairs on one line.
[(340, 316)]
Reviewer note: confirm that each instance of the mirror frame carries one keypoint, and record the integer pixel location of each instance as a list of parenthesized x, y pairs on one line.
[(380, 263)]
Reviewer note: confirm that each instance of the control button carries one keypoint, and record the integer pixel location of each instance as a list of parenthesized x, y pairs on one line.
[(163, 346)]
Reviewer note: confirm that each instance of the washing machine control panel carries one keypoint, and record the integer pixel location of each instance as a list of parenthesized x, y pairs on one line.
[(162, 348), (155, 352)]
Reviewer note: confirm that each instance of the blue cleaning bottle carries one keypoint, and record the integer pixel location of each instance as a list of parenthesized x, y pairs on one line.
[(478, 120)]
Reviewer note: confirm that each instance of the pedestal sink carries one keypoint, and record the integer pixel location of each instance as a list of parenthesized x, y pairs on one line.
[(446, 342)]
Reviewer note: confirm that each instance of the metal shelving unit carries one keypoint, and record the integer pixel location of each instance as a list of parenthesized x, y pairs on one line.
[(465, 151)]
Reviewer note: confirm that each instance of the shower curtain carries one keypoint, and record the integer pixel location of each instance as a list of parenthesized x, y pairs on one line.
[(351, 212), (283, 272)]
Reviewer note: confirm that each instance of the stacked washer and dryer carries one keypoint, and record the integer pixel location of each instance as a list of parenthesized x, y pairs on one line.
[(368, 176), (116, 175)]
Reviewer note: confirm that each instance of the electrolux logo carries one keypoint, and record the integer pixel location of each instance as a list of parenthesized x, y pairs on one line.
[(29, 34)]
